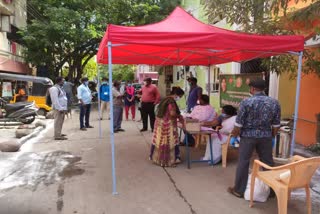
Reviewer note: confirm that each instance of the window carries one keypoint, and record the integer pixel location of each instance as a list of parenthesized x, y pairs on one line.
[(214, 80), (5, 23)]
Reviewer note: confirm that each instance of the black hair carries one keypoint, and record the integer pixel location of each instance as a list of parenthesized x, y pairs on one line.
[(105, 79), (177, 91), (83, 79), (148, 79), (229, 110), (116, 83), (205, 98), (193, 79), (66, 79), (58, 79)]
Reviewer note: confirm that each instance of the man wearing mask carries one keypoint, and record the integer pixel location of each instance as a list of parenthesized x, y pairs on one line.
[(117, 107), (60, 105), (85, 97), (105, 97), (257, 122), (194, 94), (150, 97)]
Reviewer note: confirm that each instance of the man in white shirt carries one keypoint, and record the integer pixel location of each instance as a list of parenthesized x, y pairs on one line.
[(85, 97), (60, 105)]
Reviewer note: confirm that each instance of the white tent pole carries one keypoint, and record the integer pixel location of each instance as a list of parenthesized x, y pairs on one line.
[(99, 109), (209, 82), (114, 181), (296, 108)]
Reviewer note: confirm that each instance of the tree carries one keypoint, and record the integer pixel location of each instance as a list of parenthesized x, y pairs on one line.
[(61, 32), (119, 72), (262, 17)]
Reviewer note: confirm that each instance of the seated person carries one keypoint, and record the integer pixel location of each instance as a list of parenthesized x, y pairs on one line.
[(202, 112), (228, 118), (21, 96)]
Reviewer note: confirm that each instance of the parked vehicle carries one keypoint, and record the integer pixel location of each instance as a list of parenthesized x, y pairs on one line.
[(137, 87), (24, 112), (34, 89)]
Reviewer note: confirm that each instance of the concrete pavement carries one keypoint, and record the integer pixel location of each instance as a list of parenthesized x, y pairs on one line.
[(74, 176)]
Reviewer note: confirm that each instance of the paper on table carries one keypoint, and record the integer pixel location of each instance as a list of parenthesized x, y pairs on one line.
[(204, 128)]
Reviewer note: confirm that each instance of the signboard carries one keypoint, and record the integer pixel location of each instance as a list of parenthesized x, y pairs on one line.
[(6, 89), (235, 87)]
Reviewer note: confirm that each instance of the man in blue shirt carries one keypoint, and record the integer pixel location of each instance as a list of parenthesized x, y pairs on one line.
[(257, 122), (194, 94), (85, 97), (105, 97)]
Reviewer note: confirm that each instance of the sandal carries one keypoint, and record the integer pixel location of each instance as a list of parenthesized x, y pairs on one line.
[(233, 192), (178, 160)]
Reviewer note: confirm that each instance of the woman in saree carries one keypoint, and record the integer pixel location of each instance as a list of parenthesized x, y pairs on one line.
[(165, 142)]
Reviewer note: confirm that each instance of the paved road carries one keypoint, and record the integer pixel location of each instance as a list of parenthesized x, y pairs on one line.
[(74, 176)]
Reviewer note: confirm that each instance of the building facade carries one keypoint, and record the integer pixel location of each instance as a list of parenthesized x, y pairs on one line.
[(13, 16)]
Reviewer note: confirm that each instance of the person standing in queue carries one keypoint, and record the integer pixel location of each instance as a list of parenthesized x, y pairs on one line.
[(129, 101), (85, 97), (60, 106), (117, 107), (150, 97), (257, 122), (105, 98)]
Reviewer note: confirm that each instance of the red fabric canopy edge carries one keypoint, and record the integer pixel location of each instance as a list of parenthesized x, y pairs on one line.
[(180, 39)]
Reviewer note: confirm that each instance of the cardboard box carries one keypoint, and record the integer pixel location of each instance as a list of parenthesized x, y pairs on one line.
[(192, 125)]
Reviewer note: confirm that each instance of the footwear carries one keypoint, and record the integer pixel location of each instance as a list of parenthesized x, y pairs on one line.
[(233, 192), (115, 131), (63, 135), (152, 130), (182, 144), (143, 130), (178, 160), (88, 127), (121, 130), (100, 118), (61, 138), (83, 129)]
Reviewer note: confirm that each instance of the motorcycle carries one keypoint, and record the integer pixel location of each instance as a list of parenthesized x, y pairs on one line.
[(24, 112)]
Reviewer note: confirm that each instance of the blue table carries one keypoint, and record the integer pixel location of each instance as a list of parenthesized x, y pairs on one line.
[(206, 132)]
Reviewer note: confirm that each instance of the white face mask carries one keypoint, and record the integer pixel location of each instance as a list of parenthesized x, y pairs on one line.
[(198, 102), (224, 115), (177, 98), (86, 83)]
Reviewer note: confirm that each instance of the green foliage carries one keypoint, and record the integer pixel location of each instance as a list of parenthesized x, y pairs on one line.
[(68, 32), (119, 72), (123, 72), (266, 17), (315, 148), (90, 70)]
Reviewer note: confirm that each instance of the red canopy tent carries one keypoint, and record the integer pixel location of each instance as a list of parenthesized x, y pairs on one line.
[(181, 39)]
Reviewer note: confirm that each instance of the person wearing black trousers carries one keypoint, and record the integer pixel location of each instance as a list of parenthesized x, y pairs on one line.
[(150, 97)]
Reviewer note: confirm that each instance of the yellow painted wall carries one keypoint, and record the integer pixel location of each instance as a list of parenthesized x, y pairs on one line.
[(287, 93)]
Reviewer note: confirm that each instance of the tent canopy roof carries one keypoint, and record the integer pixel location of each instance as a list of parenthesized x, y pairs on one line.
[(180, 39)]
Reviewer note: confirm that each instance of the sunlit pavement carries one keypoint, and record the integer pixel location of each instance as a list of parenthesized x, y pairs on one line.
[(74, 176)]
